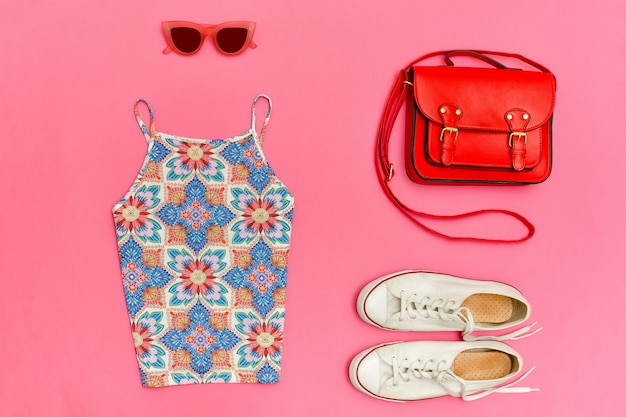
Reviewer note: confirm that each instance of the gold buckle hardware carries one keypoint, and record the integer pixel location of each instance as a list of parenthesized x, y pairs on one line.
[(390, 175), (451, 130), (516, 134)]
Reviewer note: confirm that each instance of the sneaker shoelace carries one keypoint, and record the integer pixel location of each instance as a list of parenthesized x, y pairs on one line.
[(441, 373), (414, 306)]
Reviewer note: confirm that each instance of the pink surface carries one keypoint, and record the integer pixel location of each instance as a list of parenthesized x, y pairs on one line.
[(69, 74)]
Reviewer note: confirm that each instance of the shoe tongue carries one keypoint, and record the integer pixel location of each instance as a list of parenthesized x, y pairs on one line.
[(393, 304), (386, 372)]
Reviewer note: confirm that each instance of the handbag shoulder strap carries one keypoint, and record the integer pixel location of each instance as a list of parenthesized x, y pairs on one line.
[(385, 171)]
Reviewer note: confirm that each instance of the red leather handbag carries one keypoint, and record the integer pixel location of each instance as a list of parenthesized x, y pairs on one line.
[(471, 125)]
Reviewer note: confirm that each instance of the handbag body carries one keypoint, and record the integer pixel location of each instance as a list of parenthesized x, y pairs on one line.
[(486, 124), (478, 125)]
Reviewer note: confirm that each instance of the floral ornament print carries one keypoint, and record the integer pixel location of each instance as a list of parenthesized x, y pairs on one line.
[(263, 341), (198, 344), (264, 338), (261, 215), (195, 158), (248, 165), (203, 237), (147, 327), (190, 213), (197, 277), (141, 277), (133, 217), (263, 272)]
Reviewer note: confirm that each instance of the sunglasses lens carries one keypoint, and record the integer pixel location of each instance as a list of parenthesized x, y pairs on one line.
[(231, 40), (186, 40)]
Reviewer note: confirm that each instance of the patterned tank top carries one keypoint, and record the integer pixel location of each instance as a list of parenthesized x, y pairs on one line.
[(203, 236)]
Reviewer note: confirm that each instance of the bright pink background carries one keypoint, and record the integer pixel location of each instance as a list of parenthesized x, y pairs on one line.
[(69, 74)]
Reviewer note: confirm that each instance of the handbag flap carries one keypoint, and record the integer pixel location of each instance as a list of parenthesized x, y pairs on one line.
[(485, 95)]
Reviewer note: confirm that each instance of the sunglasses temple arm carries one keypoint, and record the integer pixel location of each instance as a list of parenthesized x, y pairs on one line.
[(167, 49)]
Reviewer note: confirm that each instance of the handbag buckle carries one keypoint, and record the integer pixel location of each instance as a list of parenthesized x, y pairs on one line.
[(519, 135), (452, 130)]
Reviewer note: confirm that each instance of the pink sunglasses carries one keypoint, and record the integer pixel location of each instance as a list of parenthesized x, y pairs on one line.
[(186, 38)]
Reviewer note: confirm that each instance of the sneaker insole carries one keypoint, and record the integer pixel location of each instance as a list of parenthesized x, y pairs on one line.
[(478, 366), (489, 308)]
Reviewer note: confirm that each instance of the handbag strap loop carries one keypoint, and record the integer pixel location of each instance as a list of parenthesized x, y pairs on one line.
[(472, 54), (482, 55), (385, 171)]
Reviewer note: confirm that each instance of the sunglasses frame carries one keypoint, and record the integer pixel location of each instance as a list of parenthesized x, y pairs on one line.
[(207, 30)]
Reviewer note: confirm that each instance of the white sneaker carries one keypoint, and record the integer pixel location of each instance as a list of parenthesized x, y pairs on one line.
[(418, 370), (428, 301)]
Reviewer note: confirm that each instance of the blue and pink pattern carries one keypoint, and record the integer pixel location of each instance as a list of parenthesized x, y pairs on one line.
[(203, 238)]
